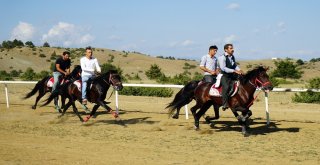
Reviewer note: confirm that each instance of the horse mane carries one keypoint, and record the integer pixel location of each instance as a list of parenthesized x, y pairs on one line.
[(103, 75), (252, 73)]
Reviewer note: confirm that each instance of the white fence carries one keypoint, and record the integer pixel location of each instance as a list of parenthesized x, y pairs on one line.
[(165, 86)]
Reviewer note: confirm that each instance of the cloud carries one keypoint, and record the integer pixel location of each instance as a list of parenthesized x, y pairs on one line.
[(184, 43), (115, 38), (230, 39), (67, 34), (233, 6), (280, 28), (23, 31)]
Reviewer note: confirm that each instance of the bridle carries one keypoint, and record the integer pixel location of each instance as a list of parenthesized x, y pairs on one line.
[(256, 81), (110, 81)]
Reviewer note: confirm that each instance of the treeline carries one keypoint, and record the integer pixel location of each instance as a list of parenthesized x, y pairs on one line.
[(18, 43)]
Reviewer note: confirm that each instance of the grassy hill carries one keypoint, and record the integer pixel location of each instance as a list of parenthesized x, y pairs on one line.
[(39, 58)]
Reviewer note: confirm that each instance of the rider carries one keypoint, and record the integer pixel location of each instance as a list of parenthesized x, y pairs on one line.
[(61, 68), (229, 69), (88, 65), (209, 65)]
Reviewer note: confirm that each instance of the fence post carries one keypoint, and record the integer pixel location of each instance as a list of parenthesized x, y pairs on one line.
[(117, 103), (186, 111), (7, 96), (267, 107)]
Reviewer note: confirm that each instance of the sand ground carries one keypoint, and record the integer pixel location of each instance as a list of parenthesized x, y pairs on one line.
[(145, 134)]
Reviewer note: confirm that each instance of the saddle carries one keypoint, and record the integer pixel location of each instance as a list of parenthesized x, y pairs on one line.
[(216, 89), (51, 81)]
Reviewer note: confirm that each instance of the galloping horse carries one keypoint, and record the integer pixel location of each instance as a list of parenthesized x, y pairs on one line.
[(241, 101), (184, 97), (43, 87), (96, 94)]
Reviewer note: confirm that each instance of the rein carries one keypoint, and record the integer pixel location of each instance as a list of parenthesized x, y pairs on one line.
[(256, 86)]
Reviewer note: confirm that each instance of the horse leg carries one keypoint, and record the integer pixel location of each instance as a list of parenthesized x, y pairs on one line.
[(202, 110), (108, 109), (75, 110), (41, 94), (176, 115), (66, 107), (94, 109), (216, 115)]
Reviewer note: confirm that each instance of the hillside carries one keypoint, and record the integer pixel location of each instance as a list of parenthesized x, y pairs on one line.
[(131, 63)]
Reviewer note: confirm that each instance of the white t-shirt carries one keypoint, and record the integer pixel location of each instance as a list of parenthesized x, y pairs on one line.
[(88, 66)]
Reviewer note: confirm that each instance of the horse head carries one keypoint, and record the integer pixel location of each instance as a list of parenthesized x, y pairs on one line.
[(259, 78), (113, 78)]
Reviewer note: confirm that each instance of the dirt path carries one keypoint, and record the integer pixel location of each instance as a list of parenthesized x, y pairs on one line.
[(145, 135)]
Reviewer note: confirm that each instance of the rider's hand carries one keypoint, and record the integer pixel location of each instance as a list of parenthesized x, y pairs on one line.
[(66, 73), (238, 72)]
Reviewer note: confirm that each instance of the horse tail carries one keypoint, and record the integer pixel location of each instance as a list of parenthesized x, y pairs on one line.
[(36, 87), (183, 97)]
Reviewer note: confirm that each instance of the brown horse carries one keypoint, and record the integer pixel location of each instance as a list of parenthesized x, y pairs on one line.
[(42, 87), (256, 78), (96, 94)]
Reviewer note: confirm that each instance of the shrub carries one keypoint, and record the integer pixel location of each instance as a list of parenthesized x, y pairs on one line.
[(42, 55), (46, 44), (154, 72), (29, 74), (4, 75), (286, 69), (147, 91), (309, 96)]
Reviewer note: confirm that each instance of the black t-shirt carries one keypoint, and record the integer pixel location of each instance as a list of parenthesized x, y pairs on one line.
[(63, 64)]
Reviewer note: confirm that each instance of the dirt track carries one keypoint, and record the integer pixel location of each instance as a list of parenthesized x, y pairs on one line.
[(145, 135)]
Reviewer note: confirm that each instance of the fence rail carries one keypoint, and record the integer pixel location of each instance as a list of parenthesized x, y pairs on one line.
[(165, 86)]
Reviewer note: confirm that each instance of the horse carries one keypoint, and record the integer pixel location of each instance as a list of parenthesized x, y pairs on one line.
[(241, 101), (45, 85), (96, 94), (184, 97)]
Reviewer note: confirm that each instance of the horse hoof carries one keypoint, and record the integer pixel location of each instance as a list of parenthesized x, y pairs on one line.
[(86, 119), (246, 134), (115, 115), (175, 117), (196, 128), (33, 107), (211, 125)]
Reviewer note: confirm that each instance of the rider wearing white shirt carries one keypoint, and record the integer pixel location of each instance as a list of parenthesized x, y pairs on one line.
[(89, 64)]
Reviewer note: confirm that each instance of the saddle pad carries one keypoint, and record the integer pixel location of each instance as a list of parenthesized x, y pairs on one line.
[(78, 84), (216, 91), (51, 81)]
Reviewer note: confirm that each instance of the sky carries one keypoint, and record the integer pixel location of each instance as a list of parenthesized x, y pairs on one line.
[(180, 28)]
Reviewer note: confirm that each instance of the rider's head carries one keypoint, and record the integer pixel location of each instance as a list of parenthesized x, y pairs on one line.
[(228, 48), (65, 55), (213, 50), (89, 51)]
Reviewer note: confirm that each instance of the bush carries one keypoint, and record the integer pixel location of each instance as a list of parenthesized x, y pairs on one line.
[(42, 55), (154, 72), (4, 75), (46, 44), (147, 91), (29, 74), (309, 96), (286, 69)]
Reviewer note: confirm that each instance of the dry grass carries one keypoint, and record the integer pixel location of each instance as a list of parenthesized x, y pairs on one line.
[(145, 135)]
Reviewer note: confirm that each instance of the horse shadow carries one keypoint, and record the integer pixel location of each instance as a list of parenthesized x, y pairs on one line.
[(126, 122), (262, 129)]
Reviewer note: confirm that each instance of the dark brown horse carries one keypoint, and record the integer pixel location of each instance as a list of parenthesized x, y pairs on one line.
[(42, 87), (96, 94), (256, 78), (184, 97)]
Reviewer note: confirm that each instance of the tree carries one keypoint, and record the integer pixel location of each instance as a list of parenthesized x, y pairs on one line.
[(29, 44), (300, 62), (4, 75), (286, 69), (17, 43), (14, 73), (154, 72), (29, 74), (46, 44), (7, 44)]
